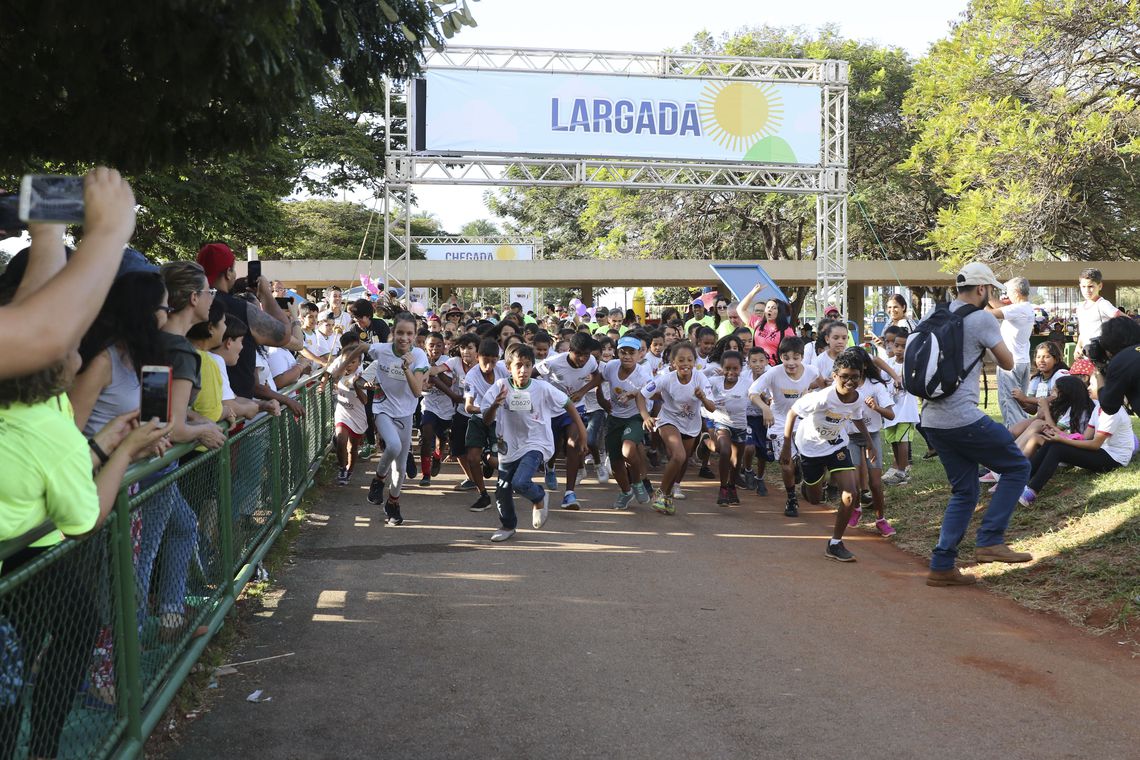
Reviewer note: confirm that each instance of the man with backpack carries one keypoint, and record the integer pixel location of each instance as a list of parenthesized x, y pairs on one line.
[(943, 364)]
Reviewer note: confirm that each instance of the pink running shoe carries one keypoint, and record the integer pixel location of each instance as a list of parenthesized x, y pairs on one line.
[(856, 515), (885, 529)]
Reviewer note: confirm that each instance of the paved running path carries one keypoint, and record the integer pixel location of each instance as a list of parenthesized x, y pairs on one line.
[(717, 633)]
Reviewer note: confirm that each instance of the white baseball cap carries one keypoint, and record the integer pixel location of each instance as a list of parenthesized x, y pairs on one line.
[(976, 273)]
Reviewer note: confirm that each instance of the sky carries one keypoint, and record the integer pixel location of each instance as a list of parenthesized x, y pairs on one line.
[(653, 25)]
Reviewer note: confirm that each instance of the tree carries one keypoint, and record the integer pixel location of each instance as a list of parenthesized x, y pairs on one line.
[(1027, 119), (479, 228), (326, 229), (154, 85)]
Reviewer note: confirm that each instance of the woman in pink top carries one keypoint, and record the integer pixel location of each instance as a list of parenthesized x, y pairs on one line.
[(770, 327)]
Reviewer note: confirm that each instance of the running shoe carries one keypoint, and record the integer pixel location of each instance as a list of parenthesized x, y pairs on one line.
[(376, 491), (856, 515), (792, 507), (641, 493), (706, 472), (1028, 496), (392, 509), (551, 480), (989, 477), (603, 471), (539, 514), (678, 493), (733, 497), (838, 552), (569, 500), (661, 502), (885, 529), (502, 534), (865, 498), (722, 496), (410, 466), (342, 477), (761, 487), (749, 479), (365, 451), (482, 504), (623, 499), (425, 481), (464, 485), (436, 463)]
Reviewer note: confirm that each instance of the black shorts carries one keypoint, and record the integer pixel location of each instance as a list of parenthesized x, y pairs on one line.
[(814, 468), (459, 435)]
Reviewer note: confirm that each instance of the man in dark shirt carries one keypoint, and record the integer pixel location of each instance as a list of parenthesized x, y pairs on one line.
[(1120, 339), (268, 326), (365, 325)]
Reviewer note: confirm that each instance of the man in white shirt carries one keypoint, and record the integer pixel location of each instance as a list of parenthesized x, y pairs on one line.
[(1094, 311), (1016, 326)]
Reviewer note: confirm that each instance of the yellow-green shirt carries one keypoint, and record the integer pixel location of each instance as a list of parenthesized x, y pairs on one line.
[(208, 402), (45, 472)]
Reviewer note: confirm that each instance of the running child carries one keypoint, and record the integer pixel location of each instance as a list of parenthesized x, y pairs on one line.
[(730, 423), (349, 418), (867, 448), (652, 360), (575, 373), (682, 393), (822, 442), (396, 378), (897, 432), (595, 417), (467, 346), (782, 386), (628, 420), (437, 408), (521, 410), (759, 447), (479, 441)]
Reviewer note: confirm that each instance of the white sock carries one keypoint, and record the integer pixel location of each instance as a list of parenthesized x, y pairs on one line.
[(834, 541)]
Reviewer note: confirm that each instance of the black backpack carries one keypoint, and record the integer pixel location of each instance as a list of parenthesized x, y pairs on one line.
[(932, 363)]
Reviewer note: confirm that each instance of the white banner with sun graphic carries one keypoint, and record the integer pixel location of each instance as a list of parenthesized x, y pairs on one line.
[(476, 252), (591, 115)]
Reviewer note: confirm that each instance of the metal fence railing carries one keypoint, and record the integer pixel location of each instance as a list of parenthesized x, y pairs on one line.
[(97, 634)]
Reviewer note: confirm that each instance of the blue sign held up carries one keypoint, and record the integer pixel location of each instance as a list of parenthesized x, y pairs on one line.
[(741, 278)]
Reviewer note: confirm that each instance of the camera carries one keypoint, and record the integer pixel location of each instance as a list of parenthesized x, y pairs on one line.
[(1096, 354)]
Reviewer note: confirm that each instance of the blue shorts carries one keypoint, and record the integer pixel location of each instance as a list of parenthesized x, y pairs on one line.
[(736, 435), (431, 418), (757, 430), (563, 421)]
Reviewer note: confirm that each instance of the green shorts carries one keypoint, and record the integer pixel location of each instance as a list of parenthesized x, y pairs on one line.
[(899, 433), (479, 435), (621, 429)]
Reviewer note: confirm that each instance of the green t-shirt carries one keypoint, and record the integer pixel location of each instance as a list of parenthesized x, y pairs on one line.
[(707, 320), (726, 328), (45, 472)]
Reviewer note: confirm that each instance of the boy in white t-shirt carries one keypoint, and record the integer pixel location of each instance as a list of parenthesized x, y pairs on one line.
[(575, 373), (822, 442), (520, 410), (479, 442), (867, 449), (1094, 311), (759, 447), (897, 432), (782, 386), (625, 378)]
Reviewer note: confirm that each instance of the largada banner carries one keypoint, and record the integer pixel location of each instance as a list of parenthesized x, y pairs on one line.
[(476, 252), (594, 115)]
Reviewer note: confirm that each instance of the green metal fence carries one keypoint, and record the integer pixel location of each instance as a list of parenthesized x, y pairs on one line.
[(98, 634)]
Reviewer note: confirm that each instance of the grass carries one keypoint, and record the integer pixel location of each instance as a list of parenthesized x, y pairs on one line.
[(1083, 531)]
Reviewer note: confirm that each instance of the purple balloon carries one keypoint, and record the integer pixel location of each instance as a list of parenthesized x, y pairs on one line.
[(581, 309)]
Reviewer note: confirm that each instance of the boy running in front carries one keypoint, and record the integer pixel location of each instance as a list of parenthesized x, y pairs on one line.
[(822, 442), (730, 423), (784, 384), (575, 373), (480, 438), (629, 417), (525, 438)]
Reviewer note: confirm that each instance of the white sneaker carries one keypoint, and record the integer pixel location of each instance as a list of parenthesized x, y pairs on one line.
[(501, 535), (603, 471), (678, 493), (890, 474), (539, 514)]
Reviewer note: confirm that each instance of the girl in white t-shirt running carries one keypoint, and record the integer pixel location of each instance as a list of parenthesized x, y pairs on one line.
[(396, 376), (682, 394), (867, 449)]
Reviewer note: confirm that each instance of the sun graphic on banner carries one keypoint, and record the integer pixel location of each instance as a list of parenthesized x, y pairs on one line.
[(738, 114), (506, 253)]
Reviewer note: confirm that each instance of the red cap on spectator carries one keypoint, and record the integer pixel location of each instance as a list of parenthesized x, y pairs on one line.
[(215, 258), (1083, 367)]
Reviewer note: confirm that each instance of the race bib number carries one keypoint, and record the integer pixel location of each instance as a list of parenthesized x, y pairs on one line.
[(519, 401)]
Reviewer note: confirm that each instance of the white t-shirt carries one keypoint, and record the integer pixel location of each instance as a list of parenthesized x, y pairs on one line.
[(227, 391), (590, 400), (623, 393), (264, 374), (731, 404), (1118, 427), (459, 380), (436, 401), (344, 321), (906, 405), (394, 397), (783, 390), (349, 410), (280, 360), (1091, 315), (679, 404), (522, 423), (1015, 329), (476, 386), (557, 371), (320, 345), (653, 363), (883, 398), (824, 421), (823, 363)]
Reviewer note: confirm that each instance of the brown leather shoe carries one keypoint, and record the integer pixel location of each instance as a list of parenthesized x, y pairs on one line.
[(1000, 553), (952, 577)]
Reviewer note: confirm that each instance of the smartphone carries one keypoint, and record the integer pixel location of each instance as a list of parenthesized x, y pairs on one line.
[(252, 273), (284, 302), (51, 198), (155, 394), (10, 220)]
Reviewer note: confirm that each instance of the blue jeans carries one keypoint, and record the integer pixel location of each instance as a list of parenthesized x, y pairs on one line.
[(961, 450), (517, 476), (169, 525)]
